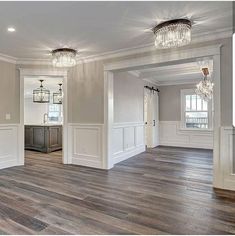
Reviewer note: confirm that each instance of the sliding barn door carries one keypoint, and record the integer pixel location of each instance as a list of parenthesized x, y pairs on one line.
[(151, 118)]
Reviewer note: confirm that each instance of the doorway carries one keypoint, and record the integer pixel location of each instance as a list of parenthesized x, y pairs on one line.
[(151, 117), (177, 57), (46, 132)]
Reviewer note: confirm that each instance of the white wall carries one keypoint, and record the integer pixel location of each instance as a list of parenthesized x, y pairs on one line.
[(33, 112)]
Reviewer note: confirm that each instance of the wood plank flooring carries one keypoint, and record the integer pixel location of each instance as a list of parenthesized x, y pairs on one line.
[(162, 191)]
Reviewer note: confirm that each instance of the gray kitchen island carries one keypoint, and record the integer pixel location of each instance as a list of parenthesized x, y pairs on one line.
[(44, 138)]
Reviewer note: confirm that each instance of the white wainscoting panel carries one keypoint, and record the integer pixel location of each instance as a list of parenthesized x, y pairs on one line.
[(170, 134), (227, 158), (9, 148), (128, 140), (85, 145)]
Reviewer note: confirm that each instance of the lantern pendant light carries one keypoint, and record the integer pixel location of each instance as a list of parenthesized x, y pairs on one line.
[(41, 95), (58, 96)]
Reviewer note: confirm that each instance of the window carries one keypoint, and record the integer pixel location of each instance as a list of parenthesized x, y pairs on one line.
[(54, 113), (196, 113)]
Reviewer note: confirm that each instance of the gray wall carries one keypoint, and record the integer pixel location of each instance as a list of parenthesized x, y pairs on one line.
[(128, 98), (9, 93), (170, 102), (86, 87)]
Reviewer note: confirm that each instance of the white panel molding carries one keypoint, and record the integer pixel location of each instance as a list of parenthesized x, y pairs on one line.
[(171, 134), (128, 140), (86, 145), (227, 157), (9, 145)]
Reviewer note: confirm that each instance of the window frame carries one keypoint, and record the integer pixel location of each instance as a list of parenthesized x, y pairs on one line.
[(184, 93)]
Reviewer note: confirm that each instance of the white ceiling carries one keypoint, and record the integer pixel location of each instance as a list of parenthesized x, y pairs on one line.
[(173, 74), (98, 27), (31, 83)]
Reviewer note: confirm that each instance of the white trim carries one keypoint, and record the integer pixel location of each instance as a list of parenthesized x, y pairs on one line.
[(185, 92), (85, 144), (6, 58), (233, 80), (44, 72), (227, 160), (10, 144), (174, 82), (128, 140), (171, 134), (175, 55)]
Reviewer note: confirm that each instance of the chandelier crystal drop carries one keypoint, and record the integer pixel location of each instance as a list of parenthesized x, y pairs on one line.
[(205, 87), (64, 57), (173, 33)]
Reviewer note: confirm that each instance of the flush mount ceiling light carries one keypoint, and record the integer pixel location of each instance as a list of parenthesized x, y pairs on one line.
[(41, 95), (58, 96), (173, 33), (64, 57), (205, 87)]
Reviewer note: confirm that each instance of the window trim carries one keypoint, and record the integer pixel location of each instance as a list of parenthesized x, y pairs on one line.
[(185, 92)]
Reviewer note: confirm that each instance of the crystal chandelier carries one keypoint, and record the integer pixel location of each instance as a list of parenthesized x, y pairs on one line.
[(41, 95), (58, 96), (64, 57), (173, 33), (205, 87)]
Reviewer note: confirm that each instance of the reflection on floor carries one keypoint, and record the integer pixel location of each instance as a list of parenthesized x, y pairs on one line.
[(164, 190)]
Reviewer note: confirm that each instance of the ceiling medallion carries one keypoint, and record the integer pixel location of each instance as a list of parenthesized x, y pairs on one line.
[(64, 57), (173, 33), (205, 87), (41, 95)]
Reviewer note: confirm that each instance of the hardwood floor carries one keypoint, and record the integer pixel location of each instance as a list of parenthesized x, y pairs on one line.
[(162, 191)]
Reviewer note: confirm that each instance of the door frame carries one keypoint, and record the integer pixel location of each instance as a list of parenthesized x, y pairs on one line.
[(177, 56), (24, 72)]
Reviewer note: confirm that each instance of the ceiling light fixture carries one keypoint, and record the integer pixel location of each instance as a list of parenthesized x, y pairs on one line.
[(11, 29), (64, 57), (173, 33), (205, 87), (58, 96), (41, 95)]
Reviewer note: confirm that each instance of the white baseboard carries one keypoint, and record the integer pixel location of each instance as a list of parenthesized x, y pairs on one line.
[(128, 140), (170, 134)]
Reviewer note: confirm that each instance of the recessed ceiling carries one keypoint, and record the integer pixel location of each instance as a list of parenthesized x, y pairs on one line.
[(98, 27)]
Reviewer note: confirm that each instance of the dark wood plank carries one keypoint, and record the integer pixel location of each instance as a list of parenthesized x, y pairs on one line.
[(162, 191)]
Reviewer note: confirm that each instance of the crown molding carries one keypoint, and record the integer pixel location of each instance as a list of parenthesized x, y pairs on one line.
[(204, 37), (134, 73), (172, 83), (6, 58)]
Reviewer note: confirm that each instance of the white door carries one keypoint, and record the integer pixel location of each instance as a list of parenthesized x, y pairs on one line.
[(155, 120), (151, 118)]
